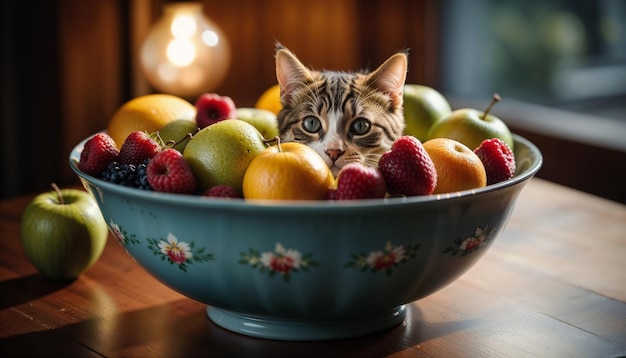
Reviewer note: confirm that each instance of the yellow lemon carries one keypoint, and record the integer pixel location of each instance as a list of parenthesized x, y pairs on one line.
[(270, 100), (148, 113)]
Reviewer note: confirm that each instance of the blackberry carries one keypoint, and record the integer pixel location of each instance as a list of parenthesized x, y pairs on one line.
[(127, 174)]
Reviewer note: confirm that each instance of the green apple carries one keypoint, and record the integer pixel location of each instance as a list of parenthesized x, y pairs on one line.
[(471, 126), (220, 153), (176, 131), (261, 119), (63, 233), (423, 107)]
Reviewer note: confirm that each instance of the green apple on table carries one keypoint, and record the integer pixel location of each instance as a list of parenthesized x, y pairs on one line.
[(471, 126), (176, 131), (220, 153), (63, 233), (423, 107), (262, 119)]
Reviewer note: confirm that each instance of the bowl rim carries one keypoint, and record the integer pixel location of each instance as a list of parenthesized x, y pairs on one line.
[(196, 200)]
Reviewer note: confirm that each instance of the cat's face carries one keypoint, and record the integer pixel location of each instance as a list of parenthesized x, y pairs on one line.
[(345, 116)]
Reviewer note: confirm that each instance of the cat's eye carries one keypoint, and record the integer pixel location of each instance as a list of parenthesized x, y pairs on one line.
[(360, 126), (312, 124)]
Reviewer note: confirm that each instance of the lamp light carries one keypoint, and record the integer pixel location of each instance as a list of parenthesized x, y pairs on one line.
[(185, 53)]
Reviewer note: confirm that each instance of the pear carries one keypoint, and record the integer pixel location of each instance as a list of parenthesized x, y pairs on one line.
[(262, 119), (423, 107), (219, 154), (176, 131)]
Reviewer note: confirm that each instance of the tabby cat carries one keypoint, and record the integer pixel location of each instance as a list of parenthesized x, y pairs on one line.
[(345, 116)]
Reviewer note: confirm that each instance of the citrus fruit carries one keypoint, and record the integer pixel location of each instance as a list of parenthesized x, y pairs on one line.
[(220, 153), (287, 171), (458, 167), (270, 100), (148, 113), (423, 107)]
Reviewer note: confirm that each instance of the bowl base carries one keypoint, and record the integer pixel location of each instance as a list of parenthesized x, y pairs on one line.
[(305, 330)]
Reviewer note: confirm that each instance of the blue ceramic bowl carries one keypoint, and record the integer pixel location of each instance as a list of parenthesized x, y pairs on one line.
[(309, 270)]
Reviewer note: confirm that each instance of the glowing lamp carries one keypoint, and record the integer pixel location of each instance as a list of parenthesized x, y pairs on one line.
[(185, 53)]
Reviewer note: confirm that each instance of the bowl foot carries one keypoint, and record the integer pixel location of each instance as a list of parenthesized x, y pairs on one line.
[(305, 330)]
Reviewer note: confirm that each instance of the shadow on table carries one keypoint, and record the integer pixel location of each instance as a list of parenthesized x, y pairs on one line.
[(158, 331), (21, 290)]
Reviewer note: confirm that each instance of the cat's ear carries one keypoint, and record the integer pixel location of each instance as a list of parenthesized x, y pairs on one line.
[(390, 77), (290, 72)]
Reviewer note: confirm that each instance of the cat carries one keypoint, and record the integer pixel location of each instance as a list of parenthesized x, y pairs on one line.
[(344, 116)]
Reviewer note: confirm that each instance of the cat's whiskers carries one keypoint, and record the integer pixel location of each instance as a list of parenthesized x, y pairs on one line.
[(371, 159)]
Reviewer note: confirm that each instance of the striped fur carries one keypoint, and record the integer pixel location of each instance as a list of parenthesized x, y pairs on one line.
[(344, 116)]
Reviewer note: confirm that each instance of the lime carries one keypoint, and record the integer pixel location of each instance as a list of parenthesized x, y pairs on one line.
[(220, 153)]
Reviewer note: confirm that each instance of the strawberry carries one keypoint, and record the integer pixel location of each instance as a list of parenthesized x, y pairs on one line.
[(169, 172), (212, 108), (407, 168), (331, 194), (222, 191), (498, 160), (137, 147), (97, 153), (358, 181)]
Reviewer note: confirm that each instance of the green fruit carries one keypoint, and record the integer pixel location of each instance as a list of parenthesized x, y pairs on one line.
[(471, 126), (423, 107), (220, 153), (176, 131), (63, 233), (261, 119)]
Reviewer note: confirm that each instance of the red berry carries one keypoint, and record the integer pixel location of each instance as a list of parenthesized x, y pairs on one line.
[(498, 160), (97, 153), (358, 181), (222, 191), (137, 147), (331, 194), (407, 168), (212, 108), (169, 172)]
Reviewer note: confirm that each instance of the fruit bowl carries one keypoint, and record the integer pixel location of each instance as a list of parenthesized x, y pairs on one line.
[(309, 270)]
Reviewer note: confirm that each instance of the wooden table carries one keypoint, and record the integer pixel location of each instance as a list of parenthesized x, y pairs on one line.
[(552, 285)]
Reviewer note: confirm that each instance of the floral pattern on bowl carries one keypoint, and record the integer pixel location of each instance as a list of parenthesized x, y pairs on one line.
[(281, 261), (383, 260), (177, 252), (465, 246)]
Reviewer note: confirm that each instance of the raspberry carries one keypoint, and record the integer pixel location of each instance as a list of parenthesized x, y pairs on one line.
[(212, 108), (407, 168), (138, 147), (222, 191), (498, 160), (358, 181), (97, 153), (127, 174), (169, 172)]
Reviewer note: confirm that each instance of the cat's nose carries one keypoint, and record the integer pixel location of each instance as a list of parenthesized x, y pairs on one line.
[(334, 154)]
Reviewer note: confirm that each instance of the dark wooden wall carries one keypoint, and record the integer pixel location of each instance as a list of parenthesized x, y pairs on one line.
[(69, 64)]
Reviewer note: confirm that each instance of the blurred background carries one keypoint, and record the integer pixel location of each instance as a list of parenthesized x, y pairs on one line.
[(560, 66)]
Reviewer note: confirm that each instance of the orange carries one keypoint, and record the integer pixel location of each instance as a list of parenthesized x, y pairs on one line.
[(287, 171), (458, 167), (148, 113), (270, 100)]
